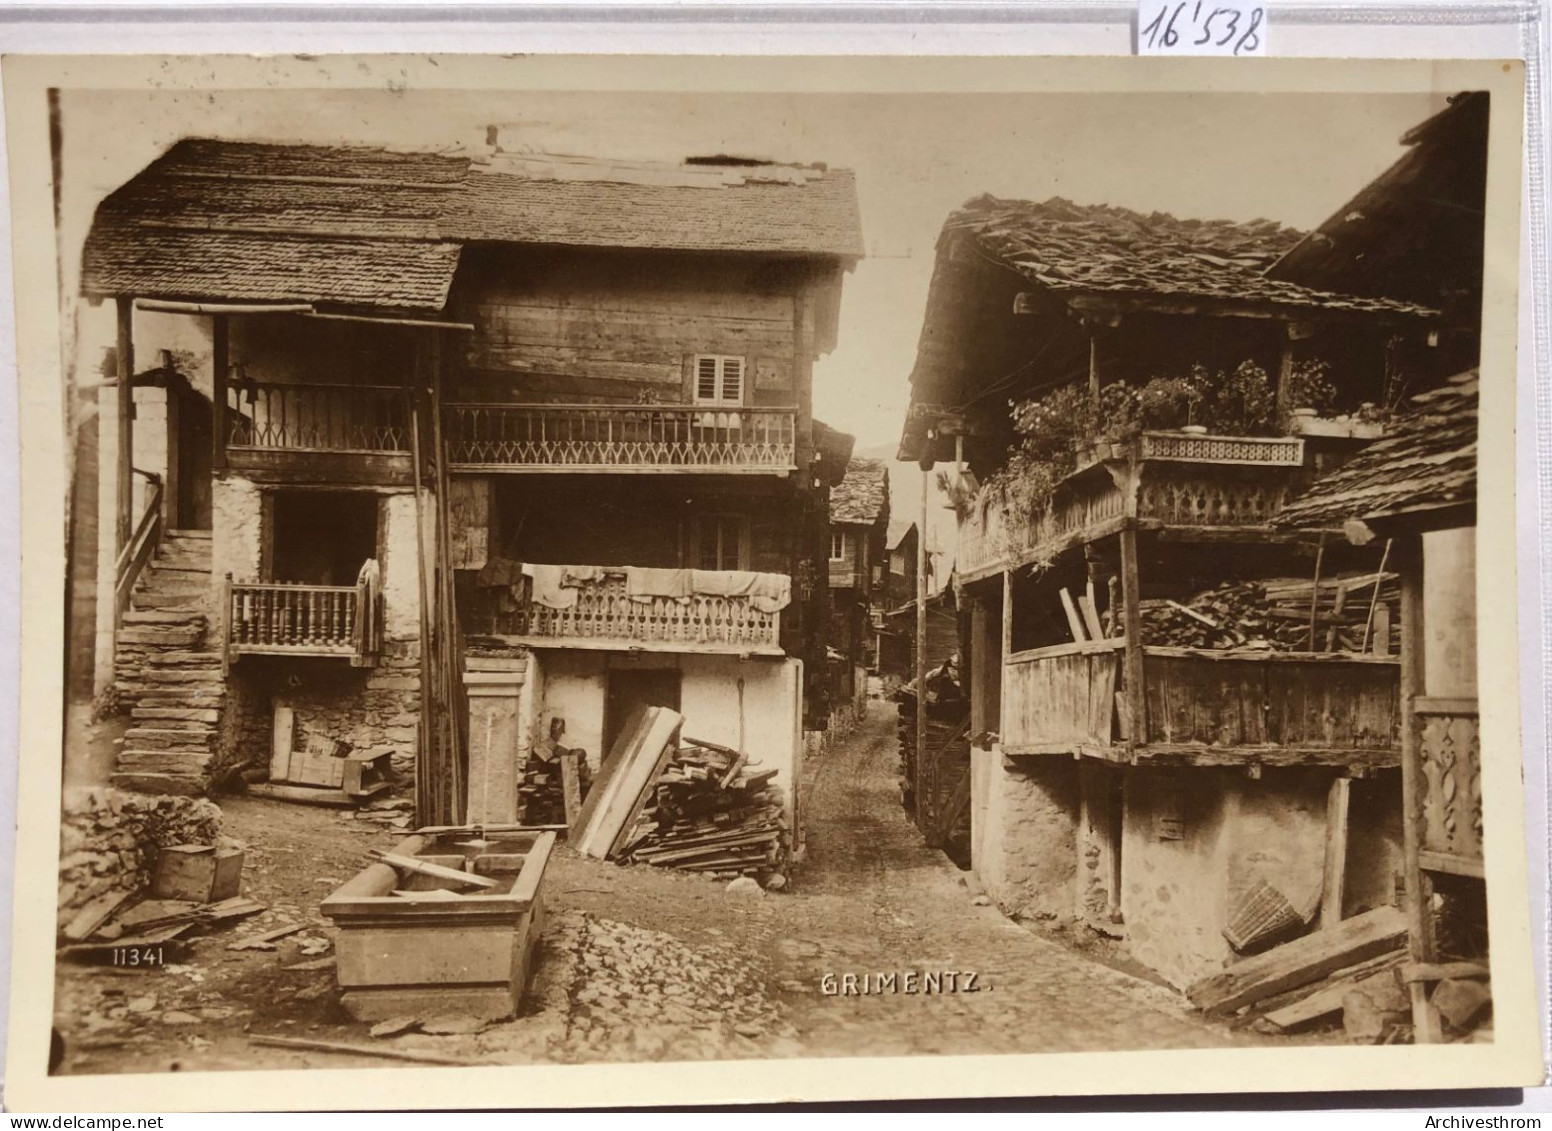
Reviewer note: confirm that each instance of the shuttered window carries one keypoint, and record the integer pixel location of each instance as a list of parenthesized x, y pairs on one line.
[(719, 379)]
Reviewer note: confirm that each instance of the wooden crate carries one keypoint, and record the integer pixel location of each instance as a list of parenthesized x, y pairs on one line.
[(198, 872), (398, 955)]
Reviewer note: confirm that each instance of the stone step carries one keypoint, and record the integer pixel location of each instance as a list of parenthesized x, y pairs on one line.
[(149, 616), (175, 761), (192, 702), (163, 635), (180, 558), (182, 714), (188, 532), (172, 599), (147, 738), (204, 678), (162, 574), (191, 786)]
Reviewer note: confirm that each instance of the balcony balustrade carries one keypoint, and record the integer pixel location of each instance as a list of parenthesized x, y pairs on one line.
[(286, 619), (621, 438)]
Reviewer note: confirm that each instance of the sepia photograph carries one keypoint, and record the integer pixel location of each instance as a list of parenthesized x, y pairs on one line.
[(603, 576)]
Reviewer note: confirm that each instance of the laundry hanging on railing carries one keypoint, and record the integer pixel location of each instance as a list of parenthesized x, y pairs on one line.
[(768, 592), (642, 584)]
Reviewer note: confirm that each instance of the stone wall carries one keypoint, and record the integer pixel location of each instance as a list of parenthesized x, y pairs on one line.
[(109, 839), (1024, 814), (237, 530)]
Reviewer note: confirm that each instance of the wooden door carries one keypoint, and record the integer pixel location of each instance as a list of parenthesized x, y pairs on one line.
[(192, 504), (630, 691)]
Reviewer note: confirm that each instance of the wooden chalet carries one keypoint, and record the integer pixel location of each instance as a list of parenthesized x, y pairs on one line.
[(1170, 683), (1415, 492), (503, 435), (859, 521)]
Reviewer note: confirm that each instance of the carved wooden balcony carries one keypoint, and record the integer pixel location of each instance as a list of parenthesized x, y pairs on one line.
[(1214, 708), (286, 619), (1161, 479), (340, 432), (674, 439), (606, 617)]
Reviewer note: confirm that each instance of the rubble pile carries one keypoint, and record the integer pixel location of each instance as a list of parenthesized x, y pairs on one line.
[(108, 840), (1275, 614), (710, 813), (641, 994)]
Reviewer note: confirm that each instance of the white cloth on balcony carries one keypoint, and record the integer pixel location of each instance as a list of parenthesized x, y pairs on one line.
[(364, 634), (768, 592), (643, 584), (555, 586)]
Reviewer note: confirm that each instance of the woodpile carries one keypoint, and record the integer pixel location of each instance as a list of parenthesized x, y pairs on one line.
[(1336, 614), (710, 813), (541, 798)]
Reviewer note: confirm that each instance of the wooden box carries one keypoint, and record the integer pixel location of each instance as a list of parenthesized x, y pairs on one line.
[(198, 872), (398, 955)]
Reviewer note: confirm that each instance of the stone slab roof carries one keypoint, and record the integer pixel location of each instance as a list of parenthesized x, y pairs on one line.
[(1426, 461), (862, 497)]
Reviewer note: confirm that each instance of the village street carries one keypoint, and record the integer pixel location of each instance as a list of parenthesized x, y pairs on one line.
[(645, 963)]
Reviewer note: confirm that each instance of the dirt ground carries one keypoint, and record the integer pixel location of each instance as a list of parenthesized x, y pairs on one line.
[(640, 963)]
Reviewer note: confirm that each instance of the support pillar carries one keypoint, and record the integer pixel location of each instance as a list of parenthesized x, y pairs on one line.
[(498, 745), (124, 519)]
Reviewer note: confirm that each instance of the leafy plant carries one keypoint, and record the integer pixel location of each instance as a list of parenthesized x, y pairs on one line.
[(1238, 403), (1309, 387)]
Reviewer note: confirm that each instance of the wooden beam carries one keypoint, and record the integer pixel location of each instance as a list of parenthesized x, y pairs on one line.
[(1132, 659), (167, 306), (220, 352), (1090, 610), (1074, 622), (124, 519), (1334, 881), (1425, 1021)]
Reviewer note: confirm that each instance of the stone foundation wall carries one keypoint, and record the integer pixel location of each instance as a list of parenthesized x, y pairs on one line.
[(109, 840), (1024, 816)]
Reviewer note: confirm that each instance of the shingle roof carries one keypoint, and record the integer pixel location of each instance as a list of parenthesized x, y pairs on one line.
[(863, 496), (242, 221), (1105, 250), (817, 217), (254, 221), (1426, 461)]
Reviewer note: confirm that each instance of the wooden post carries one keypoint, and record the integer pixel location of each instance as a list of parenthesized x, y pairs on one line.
[(924, 782), (1425, 1021), (124, 519), (1334, 876), (220, 365), (570, 787), (1131, 617)]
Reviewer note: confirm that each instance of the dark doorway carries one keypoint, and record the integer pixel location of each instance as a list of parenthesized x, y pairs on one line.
[(322, 537), (191, 505), (631, 691)]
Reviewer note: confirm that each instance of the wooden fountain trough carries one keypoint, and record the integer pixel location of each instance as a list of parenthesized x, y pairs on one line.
[(416, 943)]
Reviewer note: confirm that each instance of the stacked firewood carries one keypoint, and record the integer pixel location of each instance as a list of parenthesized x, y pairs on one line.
[(710, 812), (542, 798), (1277, 614)]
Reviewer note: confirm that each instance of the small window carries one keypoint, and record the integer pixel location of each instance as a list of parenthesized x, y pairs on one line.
[(719, 379), (838, 545), (721, 541)]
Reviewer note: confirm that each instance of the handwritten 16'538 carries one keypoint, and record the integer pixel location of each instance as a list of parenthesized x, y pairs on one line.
[(1200, 27)]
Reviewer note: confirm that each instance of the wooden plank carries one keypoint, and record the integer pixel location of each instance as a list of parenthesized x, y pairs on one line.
[(1444, 705), (1073, 648), (1090, 612), (1074, 622), (643, 775), (306, 794), (426, 868), (1452, 864), (94, 914), (630, 734), (300, 1044), (1299, 962), (1334, 875), (282, 739), (1134, 680), (1440, 971), (571, 787), (1328, 999)]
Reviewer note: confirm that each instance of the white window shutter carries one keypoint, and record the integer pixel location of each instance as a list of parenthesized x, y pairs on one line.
[(706, 379), (732, 380)]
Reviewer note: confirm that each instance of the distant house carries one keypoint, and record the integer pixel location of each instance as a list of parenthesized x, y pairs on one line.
[(482, 447), (893, 647), (859, 520)]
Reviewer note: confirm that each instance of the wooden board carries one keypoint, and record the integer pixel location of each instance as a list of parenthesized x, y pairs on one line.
[(94, 914), (1299, 962), (630, 735), (1334, 877), (633, 782), (282, 740), (1328, 999), (1074, 622), (1090, 610)]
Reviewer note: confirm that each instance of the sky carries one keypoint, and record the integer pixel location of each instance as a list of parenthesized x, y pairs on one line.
[(1295, 158)]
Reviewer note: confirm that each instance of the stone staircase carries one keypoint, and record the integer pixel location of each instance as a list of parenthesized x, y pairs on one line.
[(168, 674)]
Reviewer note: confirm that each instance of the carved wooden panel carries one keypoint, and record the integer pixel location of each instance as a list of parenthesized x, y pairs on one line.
[(1208, 496), (1450, 752)]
